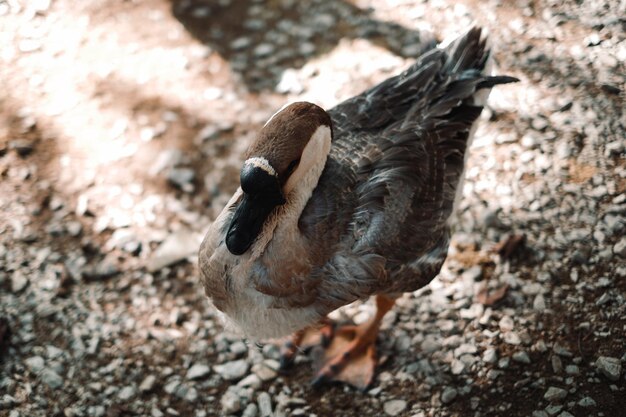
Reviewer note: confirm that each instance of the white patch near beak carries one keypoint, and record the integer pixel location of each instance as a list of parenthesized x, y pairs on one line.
[(264, 164)]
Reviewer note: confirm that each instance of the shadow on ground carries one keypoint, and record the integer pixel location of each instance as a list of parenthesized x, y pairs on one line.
[(262, 40)]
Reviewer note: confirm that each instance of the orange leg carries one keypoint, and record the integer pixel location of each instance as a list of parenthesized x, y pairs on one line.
[(351, 356), (305, 339)]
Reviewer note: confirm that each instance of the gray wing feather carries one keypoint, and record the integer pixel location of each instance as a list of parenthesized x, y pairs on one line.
[(396, 161)]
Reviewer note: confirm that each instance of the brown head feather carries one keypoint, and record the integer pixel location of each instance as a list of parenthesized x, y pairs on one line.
[(283, 138)]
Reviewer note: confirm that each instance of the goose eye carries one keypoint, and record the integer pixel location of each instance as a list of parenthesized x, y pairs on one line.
[(292, 165)]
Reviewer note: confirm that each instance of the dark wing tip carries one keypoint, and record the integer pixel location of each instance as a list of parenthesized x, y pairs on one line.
[(491, 81), (468, 51)]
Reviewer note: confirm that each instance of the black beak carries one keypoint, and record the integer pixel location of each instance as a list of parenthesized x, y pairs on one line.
[(248, 219)]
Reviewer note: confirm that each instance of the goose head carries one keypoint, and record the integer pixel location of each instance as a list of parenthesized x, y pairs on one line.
[(278, 164)]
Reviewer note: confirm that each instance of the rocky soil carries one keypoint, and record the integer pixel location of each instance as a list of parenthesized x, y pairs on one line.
[(122, 125)]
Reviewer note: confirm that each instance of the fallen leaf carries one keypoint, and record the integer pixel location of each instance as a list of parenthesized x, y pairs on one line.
[(484, 297), (507, 247), (470, 258)]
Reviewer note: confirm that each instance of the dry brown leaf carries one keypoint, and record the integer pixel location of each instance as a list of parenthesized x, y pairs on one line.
[(487, 298), (471, 258), (580, 173), (507, 247)]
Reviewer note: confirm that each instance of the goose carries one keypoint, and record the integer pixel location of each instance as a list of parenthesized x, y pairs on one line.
[(342, 205)]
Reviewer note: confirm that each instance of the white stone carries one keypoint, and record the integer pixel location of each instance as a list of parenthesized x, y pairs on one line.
[(394, 407), (127, 393), (620, 248), (610, 367), (539, 303), (19, 281), (35, 364), (147, 384), (252, 381), (232, 370), (521, 357), (554, 394), (51, 378), (490, 355), (265, 404), (230, 402), (198, 370), (263, 49)]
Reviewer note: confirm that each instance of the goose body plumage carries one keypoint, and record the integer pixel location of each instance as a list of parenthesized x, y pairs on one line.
[(372, 215)]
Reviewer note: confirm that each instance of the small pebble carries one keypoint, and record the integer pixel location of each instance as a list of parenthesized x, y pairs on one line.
[(19, 281), (147, 384), (230, 402), (572, 370), (251, 410), (252, 381), (587, 402), (264, 372), (490, 355), (561, 351), (610, 367), (521, 357), (232, 370), (512, 338), (448, 395), (127, 393), (553, 409), (394, 407), (198, 371), (35, 364), (265, 404), (557, 364), (51, 378), (554, 394)]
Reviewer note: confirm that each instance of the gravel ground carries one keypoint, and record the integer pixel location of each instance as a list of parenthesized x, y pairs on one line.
[(122, 125)]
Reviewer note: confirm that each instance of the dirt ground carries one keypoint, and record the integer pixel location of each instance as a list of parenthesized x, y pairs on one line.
[(122, 125)]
